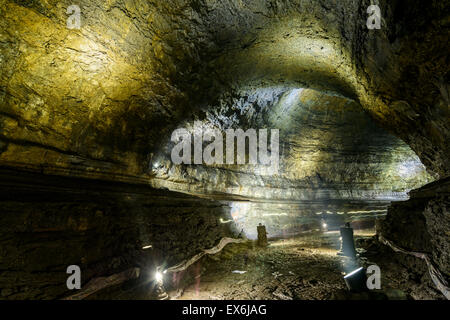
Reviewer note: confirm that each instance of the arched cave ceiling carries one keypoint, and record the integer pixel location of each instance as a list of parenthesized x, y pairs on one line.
[(101, 100), (329, 149)]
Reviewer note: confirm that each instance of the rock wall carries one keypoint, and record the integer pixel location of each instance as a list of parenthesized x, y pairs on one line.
[(48, 223), (422, 223)]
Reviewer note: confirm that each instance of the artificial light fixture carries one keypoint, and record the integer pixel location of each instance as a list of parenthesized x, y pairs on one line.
[(356, 280), (323, 225), (159, 279)]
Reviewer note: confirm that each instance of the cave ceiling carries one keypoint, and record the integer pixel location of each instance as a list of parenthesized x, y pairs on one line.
[(101, 101)]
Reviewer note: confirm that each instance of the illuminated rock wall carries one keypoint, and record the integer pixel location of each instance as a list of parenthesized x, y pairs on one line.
[(97, 101), (329, 149)]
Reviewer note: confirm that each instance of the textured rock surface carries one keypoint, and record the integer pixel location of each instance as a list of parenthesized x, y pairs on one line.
[(400, 271), (100, 98), (329, 149), (422, 223), (48, 223), (101, 102)]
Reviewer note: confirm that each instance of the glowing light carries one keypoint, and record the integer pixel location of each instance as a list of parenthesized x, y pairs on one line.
[(353, 272), (366, 211), (291, 99), (241, 214), (356, 280), (158, 276), (225, 221), (324, 225), (274, 214), (147, 247)]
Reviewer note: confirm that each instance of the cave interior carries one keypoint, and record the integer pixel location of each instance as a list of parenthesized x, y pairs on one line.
[(95, 98)]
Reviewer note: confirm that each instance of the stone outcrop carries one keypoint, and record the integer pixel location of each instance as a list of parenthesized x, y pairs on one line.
[(422, 224), (49, 223)]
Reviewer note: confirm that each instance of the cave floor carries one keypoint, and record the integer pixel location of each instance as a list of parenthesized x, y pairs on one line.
[(305, 267), (299, 268)]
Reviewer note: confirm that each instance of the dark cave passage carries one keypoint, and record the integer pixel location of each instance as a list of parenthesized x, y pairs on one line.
[(146, 146)]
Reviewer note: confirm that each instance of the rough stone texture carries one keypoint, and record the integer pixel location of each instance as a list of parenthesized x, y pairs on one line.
[(94, 99), (48, 223), (422, 223), (400, 271), (437, 214), (329, 149), (100, 98), (99, 101)]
